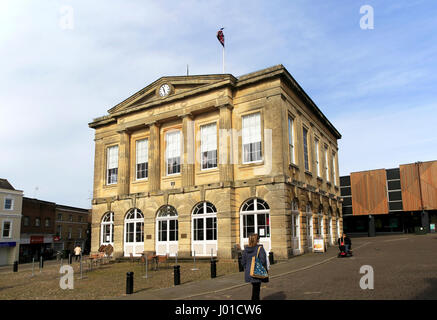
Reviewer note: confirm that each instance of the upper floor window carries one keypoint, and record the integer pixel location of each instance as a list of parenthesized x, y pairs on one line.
[(80, 233), (37, 222), (59, 231), (26, 221), (326, 164), (112, 165), (142, 162), (333, 168), (305, 149), (7, 229), (291, 139), (208, 145), (80, 218), (9, 204), (71, 218), (173, 152), (60, 216), (47, 222), (251, 138), (316, 155), (70, 231)]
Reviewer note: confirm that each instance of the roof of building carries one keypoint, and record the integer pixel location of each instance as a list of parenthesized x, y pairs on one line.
[(211, 81), (4, 184)]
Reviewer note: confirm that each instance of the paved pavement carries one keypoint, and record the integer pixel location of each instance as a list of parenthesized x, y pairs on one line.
[(405, 267)]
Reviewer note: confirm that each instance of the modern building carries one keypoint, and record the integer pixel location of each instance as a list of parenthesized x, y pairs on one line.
[(390, 200), (197, 163), (10, 221), (48, 227)]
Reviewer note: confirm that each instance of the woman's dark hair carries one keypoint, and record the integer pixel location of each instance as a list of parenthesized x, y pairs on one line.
[(253, 239)]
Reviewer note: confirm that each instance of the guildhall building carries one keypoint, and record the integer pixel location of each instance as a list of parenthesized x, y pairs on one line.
[(194, 164)]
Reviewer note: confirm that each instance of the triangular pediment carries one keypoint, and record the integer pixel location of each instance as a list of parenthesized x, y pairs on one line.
[(179, 85)]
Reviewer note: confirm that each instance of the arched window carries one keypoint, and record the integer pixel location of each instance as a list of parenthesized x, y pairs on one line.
[(204, 233), (167, 230), (295, 226), (309, 226), (255, 218), (107, 229), (134, 232)]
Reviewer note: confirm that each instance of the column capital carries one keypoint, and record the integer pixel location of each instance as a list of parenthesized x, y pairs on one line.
[(225, 105), (153, 123), (124, 131), (186, 115)]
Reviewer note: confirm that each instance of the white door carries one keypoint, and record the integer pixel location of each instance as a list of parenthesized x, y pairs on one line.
[(204, 230), (134, 233), (167, 231), (255, 218), (295, 233), (309, 231)]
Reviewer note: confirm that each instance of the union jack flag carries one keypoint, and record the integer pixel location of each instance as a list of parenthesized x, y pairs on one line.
[(221, 36)]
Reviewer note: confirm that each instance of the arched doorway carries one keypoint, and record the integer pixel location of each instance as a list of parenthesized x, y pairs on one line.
[(255, 218), (204, 229), (309, 227), (295, 227), (167, 232), (107, 229), (134, 233)]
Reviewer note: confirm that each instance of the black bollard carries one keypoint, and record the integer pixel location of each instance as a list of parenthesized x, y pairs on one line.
[(70, 258), (271, 258), (41, 262), (177, 275), (129, 282), (213, 268), (16, 266), (240, 265)]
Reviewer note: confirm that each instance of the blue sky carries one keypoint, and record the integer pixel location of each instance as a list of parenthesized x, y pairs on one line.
[(378, 86)]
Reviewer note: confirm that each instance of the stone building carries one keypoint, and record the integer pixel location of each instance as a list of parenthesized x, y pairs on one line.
[(197, 163), (10, 220)]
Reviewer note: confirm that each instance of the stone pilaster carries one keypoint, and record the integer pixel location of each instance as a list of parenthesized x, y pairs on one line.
[(188, 150), (123, 163), (154, 158), (225, 144)]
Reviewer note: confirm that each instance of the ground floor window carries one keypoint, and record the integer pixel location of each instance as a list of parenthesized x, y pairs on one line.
[(167, 231), (255, 218)]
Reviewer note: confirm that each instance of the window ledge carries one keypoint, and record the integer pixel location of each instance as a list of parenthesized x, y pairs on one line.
[(140, 181), (320, 179), (308, 173), (292, 165), (251, 164)]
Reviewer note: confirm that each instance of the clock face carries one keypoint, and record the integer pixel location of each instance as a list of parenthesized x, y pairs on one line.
[(164, 90)]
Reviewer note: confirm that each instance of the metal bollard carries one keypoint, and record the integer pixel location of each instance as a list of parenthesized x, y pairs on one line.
[(16, 266), (177, 275), (240, 265), (271, 258), (129, 282), (69, 258), (213, 268), (41, 263)]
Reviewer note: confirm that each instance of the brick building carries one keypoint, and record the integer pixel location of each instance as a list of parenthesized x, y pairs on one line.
[(197, 163)]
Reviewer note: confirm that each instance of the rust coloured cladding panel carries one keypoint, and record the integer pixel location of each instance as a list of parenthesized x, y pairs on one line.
[(369, 192), (428, 183), (410, 187)]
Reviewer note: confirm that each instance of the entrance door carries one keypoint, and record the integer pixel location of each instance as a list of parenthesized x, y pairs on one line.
[(134, 233), (204, 230), (167, 230), (295, 233), (255, 218), (309, 231)]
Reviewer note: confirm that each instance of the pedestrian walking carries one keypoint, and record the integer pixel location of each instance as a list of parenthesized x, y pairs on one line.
[(77, 252), (254, 250)]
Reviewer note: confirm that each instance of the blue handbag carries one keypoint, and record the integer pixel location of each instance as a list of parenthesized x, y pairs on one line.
[(257, 270)]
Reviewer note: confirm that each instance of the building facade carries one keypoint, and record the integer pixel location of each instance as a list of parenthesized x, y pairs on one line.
[(396, 200), (197, 163), (71, 228), (47, 228), (10, 221)]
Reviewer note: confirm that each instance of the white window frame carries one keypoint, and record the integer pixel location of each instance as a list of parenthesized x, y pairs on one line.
[(195, 215), (158, 229), (138, 151), (316, 156), (103, 224), (12, 203), (265, 239), (251, 133), (45, 222), (173, 149), (9, 236), (26, 218), (39, 222), (333, 169), (306, 161), (112, 164), (326, 164), (291, 139), (208, 143)]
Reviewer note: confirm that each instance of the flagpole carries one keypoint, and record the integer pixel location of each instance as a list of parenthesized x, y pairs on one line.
[(223, 59)]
